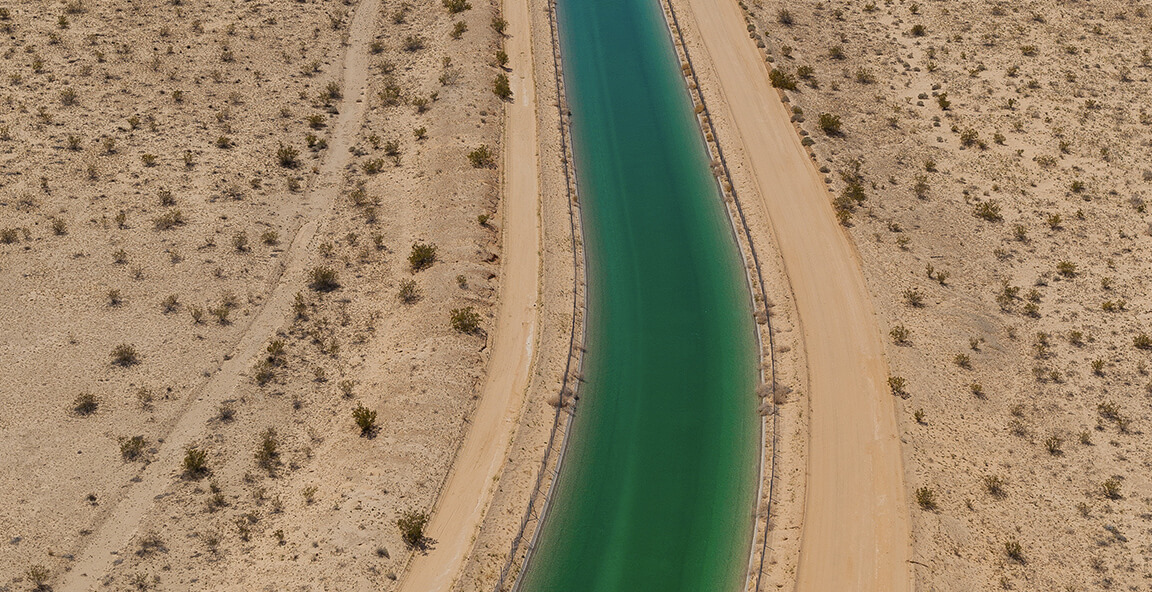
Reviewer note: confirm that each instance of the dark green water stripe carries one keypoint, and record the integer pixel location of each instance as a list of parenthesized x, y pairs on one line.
[(657, 487)]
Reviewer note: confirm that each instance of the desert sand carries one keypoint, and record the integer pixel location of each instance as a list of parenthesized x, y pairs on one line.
[(120, 191)]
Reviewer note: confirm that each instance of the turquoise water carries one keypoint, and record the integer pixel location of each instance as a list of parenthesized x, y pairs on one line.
[(656, 491)]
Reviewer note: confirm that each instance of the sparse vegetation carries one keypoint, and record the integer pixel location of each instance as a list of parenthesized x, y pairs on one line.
[(465, 320), (366, 420), (412, 525), (422, 257)]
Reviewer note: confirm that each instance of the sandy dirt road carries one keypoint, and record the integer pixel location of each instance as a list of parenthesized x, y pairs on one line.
[(467, 493), (855, 533)]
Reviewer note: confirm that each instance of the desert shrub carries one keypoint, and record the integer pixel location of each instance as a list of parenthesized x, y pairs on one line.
[(287, 156), (323, 279), (465, 320), (1054, 445), (829, 124), (132, 448), (124, 355), (365, 419), (781, 79), (1142, 341), (409, 291), (458, 29), (267, 453), (499, 25), (913, 298), (1014, 551), (1111, 488), (38, 576), (114, 298), (926, 498), (85, 404), (413, 43), (315, 121), (989, 210), (994, 485), (148, 159), (501, 87), (169, 220), (482, 157), (456, 6), (372, 166), (900, 334), (918, 31), (412, 525), (221, 313), (195, 464), (977, 390), (897, 385), (963, 361), (422, 256)]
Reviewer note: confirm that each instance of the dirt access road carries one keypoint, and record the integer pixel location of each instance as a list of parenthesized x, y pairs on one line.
[(475, 473), (855, 533)]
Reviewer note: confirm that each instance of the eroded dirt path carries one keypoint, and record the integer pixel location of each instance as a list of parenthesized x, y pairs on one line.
[(855, 533), (468, 491), (113, 534)]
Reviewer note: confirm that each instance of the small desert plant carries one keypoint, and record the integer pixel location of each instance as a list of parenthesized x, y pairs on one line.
[(195, 463), (323, 279), (784, 17), (1142, 341), (994, 485), (132, 448), (830, 124), (458, 29), (412, 525), (1054, 444), (926, 498), (365, 419), (963, 361), (900, 334), (413, 43), (482, 157), (456, 6), (781, 79), (267, 453), (149, 160), (977, 390), (409, 291), (465, 320), (989, 210), (38, 576), (423, 255), (897, 385), (85, 404), (501, 87), (124, 355), (1066, 268), (287, 156), (913, 298), (1111, 488), (499, 25), (1013, 550)]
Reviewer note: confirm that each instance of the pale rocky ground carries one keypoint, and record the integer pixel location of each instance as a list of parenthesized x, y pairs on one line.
[(248, 75), (1043, 385)]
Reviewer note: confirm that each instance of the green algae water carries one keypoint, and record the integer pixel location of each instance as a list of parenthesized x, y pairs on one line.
[(657, 486)]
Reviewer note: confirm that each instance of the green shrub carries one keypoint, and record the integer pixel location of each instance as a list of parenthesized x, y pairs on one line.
[(926, 498), (409, 291), (412, 525), (482, 157), (989, 210), (132, 448), (781, 79), (323, 279), (366, 420), (124, 355), (465, 320), (897, 385), (1111, 488), (195, 463), (456, 6), (501, 87), (830, 124), (1142, 341), (85, 404), (1014, 551), (267, 453), (287, 156), (422, 256)]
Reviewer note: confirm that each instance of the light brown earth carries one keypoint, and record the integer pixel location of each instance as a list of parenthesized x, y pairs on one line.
[(477, 469), (320, 511)]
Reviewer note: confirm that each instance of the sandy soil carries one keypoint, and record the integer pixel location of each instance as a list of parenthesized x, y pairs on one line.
[(1000, 152), (476, 471), (854, 510), (313, 503)]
